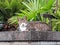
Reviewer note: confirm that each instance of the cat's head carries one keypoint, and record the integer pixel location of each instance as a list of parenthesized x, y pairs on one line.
[(22, 23), (22, 20)]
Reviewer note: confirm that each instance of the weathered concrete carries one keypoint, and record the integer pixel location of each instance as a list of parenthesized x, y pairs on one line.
[(6, 36), (29, 36)]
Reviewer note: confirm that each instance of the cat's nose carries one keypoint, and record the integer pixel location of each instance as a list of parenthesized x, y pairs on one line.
[(23, 25)]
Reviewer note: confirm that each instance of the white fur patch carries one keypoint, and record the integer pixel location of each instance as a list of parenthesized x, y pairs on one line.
[(23, 27)]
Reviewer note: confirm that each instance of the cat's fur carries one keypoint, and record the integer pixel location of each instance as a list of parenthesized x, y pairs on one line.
[(24, 25)]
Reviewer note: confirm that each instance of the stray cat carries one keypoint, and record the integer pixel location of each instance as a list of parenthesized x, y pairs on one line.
[(24, 25)]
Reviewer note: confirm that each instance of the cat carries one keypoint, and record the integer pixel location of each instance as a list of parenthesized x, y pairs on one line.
[(24, 25)]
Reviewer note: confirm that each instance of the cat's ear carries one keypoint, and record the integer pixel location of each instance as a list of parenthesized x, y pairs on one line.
[(19, 19), (25, 17)]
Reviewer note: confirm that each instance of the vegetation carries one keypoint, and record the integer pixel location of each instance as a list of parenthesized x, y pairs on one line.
[(34, 10), (56, 22), (8, 8)]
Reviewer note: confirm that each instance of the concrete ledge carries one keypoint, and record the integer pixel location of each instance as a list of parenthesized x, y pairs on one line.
[(29, 36)]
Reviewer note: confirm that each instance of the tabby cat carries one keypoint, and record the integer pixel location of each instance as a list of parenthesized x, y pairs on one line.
[(24, 25)]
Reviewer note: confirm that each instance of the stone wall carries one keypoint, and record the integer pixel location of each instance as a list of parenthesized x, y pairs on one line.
[(29, 38)]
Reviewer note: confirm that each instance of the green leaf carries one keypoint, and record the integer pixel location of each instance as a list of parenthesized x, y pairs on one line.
[(47, 20)]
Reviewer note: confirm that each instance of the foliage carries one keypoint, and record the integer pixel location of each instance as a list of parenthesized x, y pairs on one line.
[(56, 22), (35, 8), (59, 3), (8, 8)]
